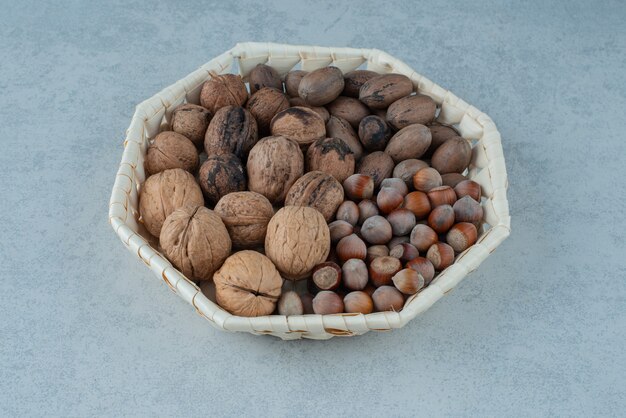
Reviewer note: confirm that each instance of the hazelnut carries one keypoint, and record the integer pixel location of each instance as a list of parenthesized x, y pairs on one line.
[(426, 179), (381, 91), (327, 303), (340, 128), (351, 247), (292, 81), (408, 281), (223, 90), (453, 156), (348, 211), (467, 209), (442, 195), (441, 255), (440, 134), (274, 165), (220, 175), (327, 276), (410, 110), (395, 241), (348, 108), (354, 273), (367, 209), (468, 188), (339, 229), (376, 251), (388, 298), (264, 105), (404, 252), (388, 200), (396, 184), (297, 240), (163, 193), (382, 269), (332, 156), (374, 133), (191, 121), (402, 221), (264, 76), (232, 130), (423, 266), (376, 230), (320, 110), (462, 236), (171, 150), (452, 179), (300, 124), (409, 142), (405, 170), (441, 218), (307, 303), (354, 80), (358, 186), (321, 86), (248, 284), (246, 215), (422, 237), (317, 190), (358, 302), (377, 165), (418, 203), (290, 304)]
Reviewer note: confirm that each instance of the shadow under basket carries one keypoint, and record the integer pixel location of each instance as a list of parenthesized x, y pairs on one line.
[(487, 168)]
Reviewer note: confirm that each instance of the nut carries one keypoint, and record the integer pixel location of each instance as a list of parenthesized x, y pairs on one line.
[(354, 274), (367, 209), (468, 188), (409, 142), (165, 192), (248, 284), (402, 221), (348, 108), (264, 105), (220, 175), (382, 269), (297, 240), (453, 156), (404, 252), (396, 184), (351, 247), (387, 298), (232, 130), (300, 124), (332, 156), (452, 179), (377, 165), (358, 186), (327, 303), (418, 203), (321, 86), (441, 255), (339, 229), (426, 179), (264, 76), (379, 92), (389, 199), (246, 215), (467, 209), (395, 241), (348, 211), (358, 302), (290, 303), (354, 80), (376, 251), (406, 169), (327, 276), (340, 128), (374, 133), (274, 165), (376, 230), (462, 236), (442, 195), (422, 237), (423, 266), (441, 218), (320, 110), (191, 121), (408, 281), (223, 90), (440, 134), (292, 81), (171, 150), (317, 190), (411, 109)]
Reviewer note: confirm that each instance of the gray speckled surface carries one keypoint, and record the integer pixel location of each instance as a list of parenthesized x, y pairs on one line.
[(539, 329)]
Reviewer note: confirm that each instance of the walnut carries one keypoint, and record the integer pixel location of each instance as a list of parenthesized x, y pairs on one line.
[(246, 215), (317, 190), (232, 130), (248, 284), (171, 150), (264, 76), (220, 175), (264, 104), (163, 193), (223, 90), (297, 240), (300, 124), (196, 241), (274, 164), (191, 120), (332, 156)]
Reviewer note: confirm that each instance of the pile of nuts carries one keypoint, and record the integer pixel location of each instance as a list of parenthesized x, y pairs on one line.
[(341, 181)]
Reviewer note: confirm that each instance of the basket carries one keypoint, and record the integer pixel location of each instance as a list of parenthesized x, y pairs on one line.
[(487, 168)]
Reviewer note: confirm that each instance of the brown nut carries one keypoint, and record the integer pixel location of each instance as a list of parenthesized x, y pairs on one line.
[(264, 76), (376, 230), (320, 110), (379, 92), (264, 105), (408, 281), (377, 165), (404, 252), (339, 229), (321, 86), (388, 200), (274, 165), (374, 133), (290, 303), (422, 237), (396, 184), (327, 303), (191, 121), (332, 156), (223, 90), (248, 284), (462, 236), (452, 179), (418, 203), (395, 241), (327, 276), (196, 241), (354, 80), (411, 109), (307, 303), (367, 209), (358, 186), (405, 170), (440, 134), (300, 124), (409, 142), (376, 251), (317, 190), (165, 192), (171, 150), (442, 195), (468, 188), (388, 298), (220, 175), (358, 302), (453, 156), (340, 128), (246, 215), (441, 218), (441, 255), (348, 108), (382, 269), (426, 179), (467, 209), (297, 240), (232, 130), (402, 221), (348, 211), (351, 247), (354, 274), (423, 266), (292, 81)]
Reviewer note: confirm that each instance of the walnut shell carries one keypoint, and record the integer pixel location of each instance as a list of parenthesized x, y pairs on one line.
[(191, 120), (354, 80), (320, 110), (196, 241), (349, 108), (163, 193), (292, 81), (274, 165), (317, 190), (374, 133), (321, 86), (300, 124), (409, 142), (248, 284), (411, 109), (233, 130), (264, 76), (220, 175), (378, 165), (332, 156), (453, 156), (171, 150), (223, 90), (246, 215), (264, 105), (379, 92), (297, 240)]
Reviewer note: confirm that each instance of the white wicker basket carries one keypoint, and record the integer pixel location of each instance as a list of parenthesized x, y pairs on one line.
[(487, 168)]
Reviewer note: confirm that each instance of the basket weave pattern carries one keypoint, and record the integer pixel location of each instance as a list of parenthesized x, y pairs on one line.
[(487, 168)]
